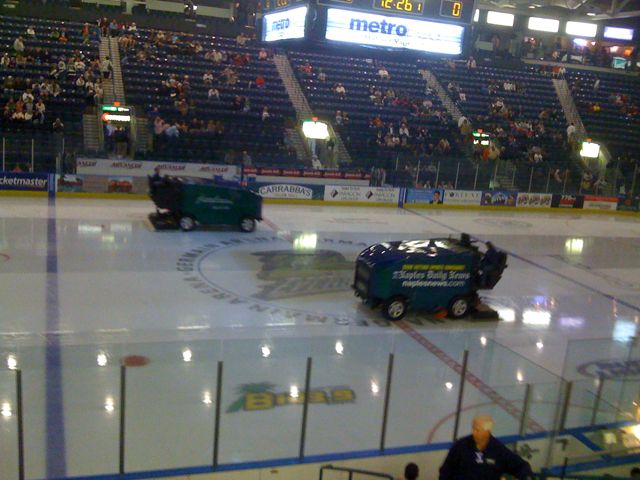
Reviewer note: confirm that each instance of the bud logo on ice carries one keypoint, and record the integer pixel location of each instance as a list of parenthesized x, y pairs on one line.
[(611, 369), (265, 396)]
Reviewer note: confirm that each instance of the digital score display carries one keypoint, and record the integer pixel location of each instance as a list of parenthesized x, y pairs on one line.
[(451, 11), (414, 7), (275, 5)]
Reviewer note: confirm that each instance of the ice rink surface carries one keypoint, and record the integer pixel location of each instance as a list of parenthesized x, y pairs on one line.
[(114, 274), (92, 275)]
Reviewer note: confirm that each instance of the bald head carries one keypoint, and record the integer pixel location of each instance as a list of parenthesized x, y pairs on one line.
[(481, 430)]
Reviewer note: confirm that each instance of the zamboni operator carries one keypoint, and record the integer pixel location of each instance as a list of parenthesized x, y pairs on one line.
[(481, 456)]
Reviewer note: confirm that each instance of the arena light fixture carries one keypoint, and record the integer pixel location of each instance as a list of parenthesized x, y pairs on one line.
[(476, 15), (540, 24), (581, 29), (316, 130), (590, 149), (618, 33), (500, 18)]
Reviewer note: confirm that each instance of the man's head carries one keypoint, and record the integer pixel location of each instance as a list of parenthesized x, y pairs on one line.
[(411, 471), (481, 429)]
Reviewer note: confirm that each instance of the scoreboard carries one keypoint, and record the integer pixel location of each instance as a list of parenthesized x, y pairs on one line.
[(276, 5), (451, 11)]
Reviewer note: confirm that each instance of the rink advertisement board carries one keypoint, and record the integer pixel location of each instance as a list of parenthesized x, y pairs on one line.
[(462, 197), (499, 198), (132, 168), (426, 196), (594, 202), (628, 203), (289, 191), (567, 201), (534, 200), (345, 193), (24, 182)]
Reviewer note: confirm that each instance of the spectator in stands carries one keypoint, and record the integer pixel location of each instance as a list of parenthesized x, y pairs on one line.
[(172, 131), (39, 114), (383, 73), (571, 133), (596, 85), (63, 37), (586, 181), (322, 77), (114, 28), (471, 63), (18, 45), (481, 455), (247, 161), (207, 78), (265, 114), (241, 39), (58, 126), (260, 81), (31, 31), (122, 142), (106, 67), (263, 55), (214, 94), (307, 69), (339, 90), (238, 103)]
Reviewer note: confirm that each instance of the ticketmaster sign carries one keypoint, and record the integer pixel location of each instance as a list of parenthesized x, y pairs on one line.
[(393, 32)]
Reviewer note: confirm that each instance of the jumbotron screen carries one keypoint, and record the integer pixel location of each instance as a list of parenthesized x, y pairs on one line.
[(284, 25), (362, 28)]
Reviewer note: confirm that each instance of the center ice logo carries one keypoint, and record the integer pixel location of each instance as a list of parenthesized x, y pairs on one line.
[(293, 274)]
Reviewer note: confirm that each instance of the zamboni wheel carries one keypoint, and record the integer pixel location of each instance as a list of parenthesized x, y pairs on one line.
[(395, 308), (187, 223), (459, 307)]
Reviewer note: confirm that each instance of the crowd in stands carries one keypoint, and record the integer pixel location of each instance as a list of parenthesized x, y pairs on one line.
[(76, 72), (208, 91)]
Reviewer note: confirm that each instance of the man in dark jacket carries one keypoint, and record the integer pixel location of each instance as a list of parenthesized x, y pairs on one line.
[(480, 456)]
